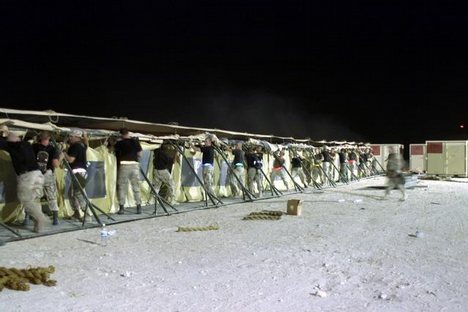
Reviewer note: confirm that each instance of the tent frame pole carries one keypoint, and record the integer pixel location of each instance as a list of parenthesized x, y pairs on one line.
[(89, 204), (297, 187), (10, 229), (311, 161), (157, 198), (245, 191), (215, 200)]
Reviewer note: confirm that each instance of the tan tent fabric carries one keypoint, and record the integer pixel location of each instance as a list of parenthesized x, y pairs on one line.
[(10, 209)]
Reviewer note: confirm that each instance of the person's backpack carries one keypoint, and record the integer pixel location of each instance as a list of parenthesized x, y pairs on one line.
[(42, 160)]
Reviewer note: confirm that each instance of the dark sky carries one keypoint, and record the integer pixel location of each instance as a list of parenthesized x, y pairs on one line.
[(380, 71)]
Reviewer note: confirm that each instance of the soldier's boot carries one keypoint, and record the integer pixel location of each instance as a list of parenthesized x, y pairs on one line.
[(54, 217), (138, 209), (121, 210)]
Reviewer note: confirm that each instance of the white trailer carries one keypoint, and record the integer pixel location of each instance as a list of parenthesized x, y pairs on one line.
[(447, 158), (418, 158), (381, 152)]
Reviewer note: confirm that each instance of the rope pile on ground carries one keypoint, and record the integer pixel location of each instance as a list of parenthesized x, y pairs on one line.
[(19, 279), (264, 215), (213, 227)]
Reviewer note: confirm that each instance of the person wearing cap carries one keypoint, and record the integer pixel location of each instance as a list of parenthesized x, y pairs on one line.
[(128, 152), (48, 158), (30, 180), (317, 172), (76, 157), (278, 168)]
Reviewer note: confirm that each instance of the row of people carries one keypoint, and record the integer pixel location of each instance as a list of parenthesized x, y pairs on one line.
[(35, 167)]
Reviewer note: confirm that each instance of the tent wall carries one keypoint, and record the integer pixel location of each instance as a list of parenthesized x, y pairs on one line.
[(418, 158), (101, 186), (100, 182), (9, 206)]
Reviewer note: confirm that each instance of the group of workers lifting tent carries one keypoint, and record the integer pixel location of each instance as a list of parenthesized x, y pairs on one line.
[(252, 166)]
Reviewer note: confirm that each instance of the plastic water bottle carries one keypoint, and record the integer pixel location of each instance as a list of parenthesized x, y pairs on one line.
[(104, 235)]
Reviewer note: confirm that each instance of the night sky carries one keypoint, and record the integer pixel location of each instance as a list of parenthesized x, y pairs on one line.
[(378, 71)]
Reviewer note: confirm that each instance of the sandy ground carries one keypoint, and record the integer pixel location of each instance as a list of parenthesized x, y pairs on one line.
[(351, 255)]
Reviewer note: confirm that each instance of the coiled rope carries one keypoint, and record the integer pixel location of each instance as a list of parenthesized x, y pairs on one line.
[(19, 279)]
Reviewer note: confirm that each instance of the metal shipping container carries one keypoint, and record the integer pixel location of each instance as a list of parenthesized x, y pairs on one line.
[(447, 158), (381, 152), (417, 158)]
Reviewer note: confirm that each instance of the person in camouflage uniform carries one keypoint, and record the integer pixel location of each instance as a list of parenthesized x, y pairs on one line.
[(48, 159), (395, 176)]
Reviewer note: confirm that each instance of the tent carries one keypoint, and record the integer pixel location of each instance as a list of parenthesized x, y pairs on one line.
[(102, 166)]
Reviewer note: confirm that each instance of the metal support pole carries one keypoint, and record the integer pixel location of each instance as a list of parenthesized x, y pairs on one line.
[(157, 197), (296, 185), (245, 191), (215, 200)]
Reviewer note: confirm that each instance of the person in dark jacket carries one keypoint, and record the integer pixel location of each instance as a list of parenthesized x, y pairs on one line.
[(75, 155), (163, 160), (128, 152), (297, 169), (254, 160), (30, 180)]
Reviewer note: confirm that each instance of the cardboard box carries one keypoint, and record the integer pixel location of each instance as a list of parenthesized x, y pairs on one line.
[(294, 207)]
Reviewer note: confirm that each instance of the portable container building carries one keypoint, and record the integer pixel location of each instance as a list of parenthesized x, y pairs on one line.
[(381, 152), (417, 158), (447, 158)]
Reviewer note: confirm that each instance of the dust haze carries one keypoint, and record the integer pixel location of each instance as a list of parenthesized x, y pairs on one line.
[(264, 113)]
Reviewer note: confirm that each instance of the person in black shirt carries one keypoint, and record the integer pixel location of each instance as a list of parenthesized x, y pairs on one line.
[(238, 169), (48, 158), (30, 180), (317, 173), (328, 158), (352, 161), (163, 161), (296, 168), (207, 163), (76, 157), (278, 168), (128, 152), (254, 160), (343, 155), (363, 162)]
